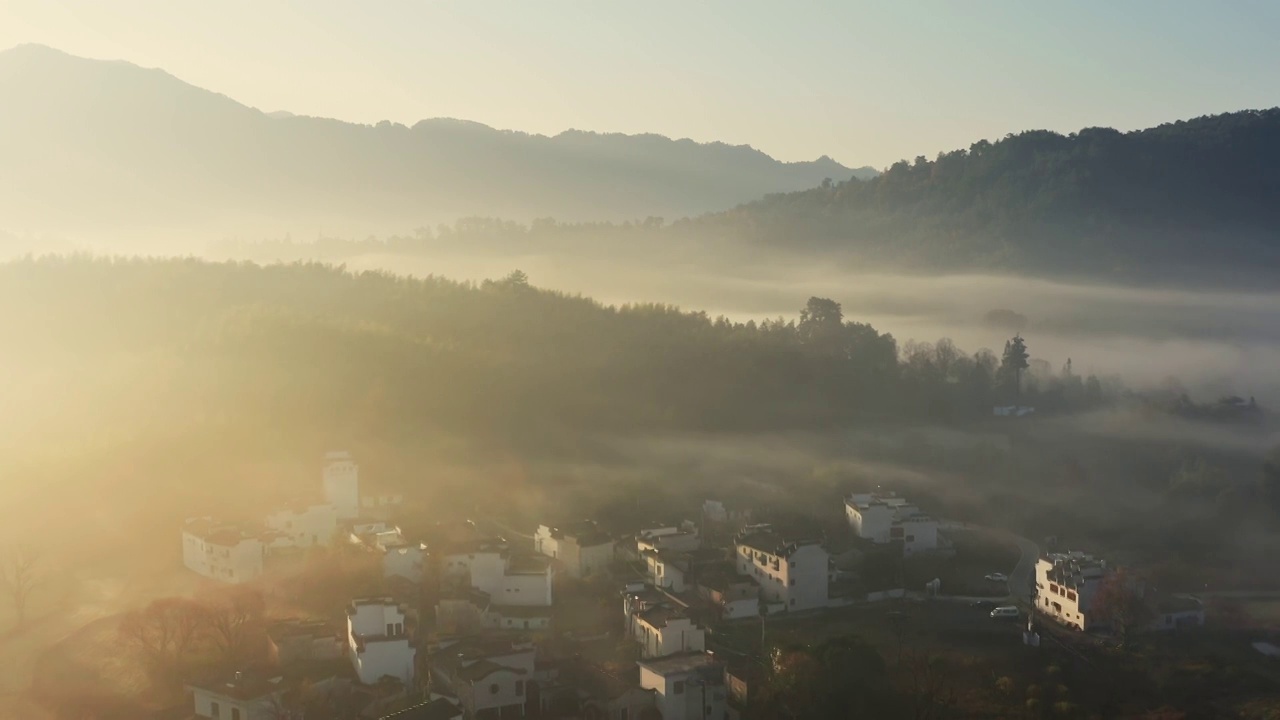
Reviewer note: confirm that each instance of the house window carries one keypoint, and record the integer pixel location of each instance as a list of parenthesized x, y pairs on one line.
[(1071, 594), (235, 713), (911, 538), (793, 563), (678, 688), (622, 714), (793, 601), (519, 687), (493, 689), (214, 710)]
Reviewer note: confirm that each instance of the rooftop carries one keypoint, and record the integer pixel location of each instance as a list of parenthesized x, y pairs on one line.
[(482, 669), (219, 533), (659, 615), (245, 686), (682, 663), (296, 627), (528, 564), (438, 709), (763, 538)]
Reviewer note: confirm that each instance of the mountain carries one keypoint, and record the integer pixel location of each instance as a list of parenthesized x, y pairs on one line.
[(90, 145), (1191, 198)]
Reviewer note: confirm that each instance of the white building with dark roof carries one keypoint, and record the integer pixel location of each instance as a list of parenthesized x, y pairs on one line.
[(667, 629), (686, 686), (580, 548), (489, 678), (223, 551), (884, 519), (791, 571), (241, 696), (341, 479), (378, 642), (1066, 584)]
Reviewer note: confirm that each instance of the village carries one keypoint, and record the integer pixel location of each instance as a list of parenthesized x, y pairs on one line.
[(578, 620)]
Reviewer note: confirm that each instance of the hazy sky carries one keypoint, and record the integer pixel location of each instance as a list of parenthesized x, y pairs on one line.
[(864, 82)]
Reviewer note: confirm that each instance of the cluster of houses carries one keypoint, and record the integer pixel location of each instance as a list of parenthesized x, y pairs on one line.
[(239, 553), (468, 625)]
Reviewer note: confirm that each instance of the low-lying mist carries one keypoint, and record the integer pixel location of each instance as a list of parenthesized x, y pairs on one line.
[(1212, 343)]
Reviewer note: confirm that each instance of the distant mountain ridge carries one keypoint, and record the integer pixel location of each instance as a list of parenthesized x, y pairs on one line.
[(90, 143), (1191, 198)]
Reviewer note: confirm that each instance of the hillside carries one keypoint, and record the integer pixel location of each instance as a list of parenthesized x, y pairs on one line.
[(1190, 197), (93, 146)]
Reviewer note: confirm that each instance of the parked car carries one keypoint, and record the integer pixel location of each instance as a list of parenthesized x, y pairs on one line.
[(998, 577), (1006, 612)]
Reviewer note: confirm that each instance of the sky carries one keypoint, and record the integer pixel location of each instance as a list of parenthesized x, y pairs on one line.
[(867, 83)]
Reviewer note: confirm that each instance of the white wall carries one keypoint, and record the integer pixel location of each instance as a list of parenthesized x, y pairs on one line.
[(664, 574), (511, 689), (341, 478), (377, 644), (799, 582), (237, 563), (405, 561), (595, 559), (308, 526), (686, 704), (525, 589), (679, 635), (919, 536)]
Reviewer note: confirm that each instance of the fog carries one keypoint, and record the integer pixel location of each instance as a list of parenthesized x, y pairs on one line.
[(1213, 343)]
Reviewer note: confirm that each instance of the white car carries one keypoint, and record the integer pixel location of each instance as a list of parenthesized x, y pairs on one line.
[(1005, 612), (998, 577)]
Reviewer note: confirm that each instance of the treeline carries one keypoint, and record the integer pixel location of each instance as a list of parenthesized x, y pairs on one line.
[(283, 345), (1198, 198)]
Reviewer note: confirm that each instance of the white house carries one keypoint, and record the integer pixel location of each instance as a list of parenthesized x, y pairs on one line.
[(682, 538), (888, 518), (401, 558), (1066, 584), (489, 678), (735, 596), (507, 579), (666, 630), (341, 478), (666, 570), (300, 641), (377, 641), (792, 572), (304, 525), (581, 548), (1178, 612), (687, 686), (222, 551), (242, 696)]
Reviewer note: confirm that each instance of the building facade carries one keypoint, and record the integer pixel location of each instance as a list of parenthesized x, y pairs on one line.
[(886, 518), (378, 643), (794, 573), (341, 478), (581, 548), (224, 552)]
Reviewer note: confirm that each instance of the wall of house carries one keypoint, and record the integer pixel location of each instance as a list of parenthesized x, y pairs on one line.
[(504, 622), (403, 561), (305, 527), (679, 635), (679, 697), (526, 589), (341, 478), (595, 559), (664, 574), (480, 696), (380, 658), (806, 578), (738, 609), (544, 543), (371, 619), (231, 564), (871, 523), (630, 704), (486, 570), (228, 708), (920, 536)]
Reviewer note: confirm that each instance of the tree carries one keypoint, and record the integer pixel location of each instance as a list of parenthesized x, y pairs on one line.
[(164, 632), (1120, 603), (19, 577), (821, 326), (1014, 361), (235, 622), (842, 677)]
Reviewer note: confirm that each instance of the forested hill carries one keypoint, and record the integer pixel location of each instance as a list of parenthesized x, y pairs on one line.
[(95, 146), (144, 347), (1198, 195)]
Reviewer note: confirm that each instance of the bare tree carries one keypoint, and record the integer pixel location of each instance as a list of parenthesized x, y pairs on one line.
[(235, 621), (19, 576), (164, 632), (1120, 603)]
